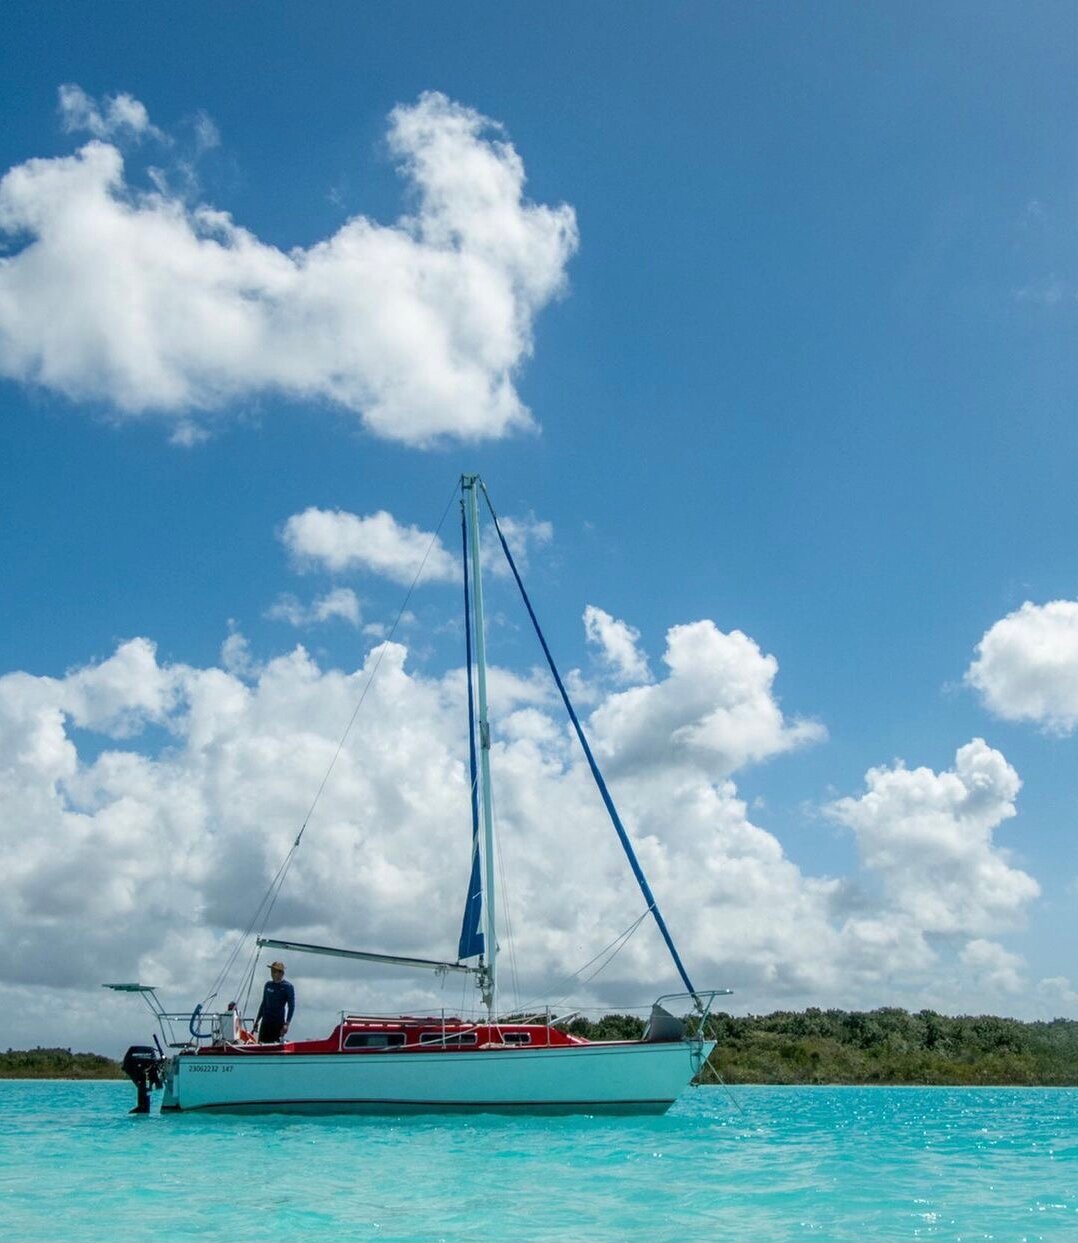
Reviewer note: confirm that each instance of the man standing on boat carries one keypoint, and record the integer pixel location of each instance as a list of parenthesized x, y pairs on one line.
[(278, 1006)]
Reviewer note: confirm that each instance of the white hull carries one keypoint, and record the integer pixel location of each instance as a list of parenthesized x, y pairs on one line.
[(592, 1078)]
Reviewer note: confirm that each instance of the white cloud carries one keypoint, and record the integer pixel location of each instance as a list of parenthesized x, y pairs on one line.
[(713, 714), (187, 434), (121, 694), (1058, 994), (123, 864), (1026, 667), (337, 541), (928, 836), (113, 116), (236, 655), (618, 644), (992, 966), (419, 327), (381, 630), (341, 603), (207, 135), (523, 535)]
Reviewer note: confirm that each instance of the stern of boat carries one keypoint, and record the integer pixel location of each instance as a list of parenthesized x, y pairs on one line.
[(170, 1100)]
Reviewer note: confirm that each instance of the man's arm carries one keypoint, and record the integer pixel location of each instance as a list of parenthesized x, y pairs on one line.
[(261, 1008), (290, 1003)]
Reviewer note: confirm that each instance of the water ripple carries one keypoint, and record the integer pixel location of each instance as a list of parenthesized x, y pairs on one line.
[(789, 1164)]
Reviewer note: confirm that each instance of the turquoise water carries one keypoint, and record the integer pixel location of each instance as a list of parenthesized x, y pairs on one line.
[(790, 1163)]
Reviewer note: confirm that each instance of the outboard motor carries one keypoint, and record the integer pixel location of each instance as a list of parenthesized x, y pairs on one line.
[(142, 1066)]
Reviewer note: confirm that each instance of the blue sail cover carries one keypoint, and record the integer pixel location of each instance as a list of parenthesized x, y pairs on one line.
[(471, 938)]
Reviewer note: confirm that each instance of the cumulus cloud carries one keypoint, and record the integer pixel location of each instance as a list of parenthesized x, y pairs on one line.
[(132, 298), (337, 541), (341, 603), (128, 858), (713, 713), (994, 966), (1026, 667), (618, 644), (340, 542), (929, 837)]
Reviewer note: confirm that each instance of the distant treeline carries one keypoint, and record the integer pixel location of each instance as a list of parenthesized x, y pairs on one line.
[(809, 1046), (878, 1046), (56, 1064)]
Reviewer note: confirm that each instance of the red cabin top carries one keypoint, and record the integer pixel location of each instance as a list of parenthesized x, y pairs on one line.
[(358, 1034)]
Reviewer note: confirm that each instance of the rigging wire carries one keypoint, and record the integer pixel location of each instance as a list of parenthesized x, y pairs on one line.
[(222, 975), (269, 898), (604, 791), (611, 949), (374, 672)]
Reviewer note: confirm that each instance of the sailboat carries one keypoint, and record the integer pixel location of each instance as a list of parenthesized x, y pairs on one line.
[(525, 1063)]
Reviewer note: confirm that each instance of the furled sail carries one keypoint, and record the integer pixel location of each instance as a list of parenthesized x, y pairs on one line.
[(471, 936)]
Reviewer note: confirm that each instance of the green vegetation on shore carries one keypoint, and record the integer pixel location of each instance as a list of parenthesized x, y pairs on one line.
[(810, 1046), (57, 1064), (878, 1046)]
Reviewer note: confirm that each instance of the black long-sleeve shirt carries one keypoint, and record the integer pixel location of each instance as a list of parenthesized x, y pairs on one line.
[(278, 1002)]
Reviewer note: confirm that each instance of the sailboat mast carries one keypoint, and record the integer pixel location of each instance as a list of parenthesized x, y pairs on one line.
[(470, 483)]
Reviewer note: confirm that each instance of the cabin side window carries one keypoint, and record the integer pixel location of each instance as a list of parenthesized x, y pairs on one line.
[(448, 1038), (373, 1040), (516, 1037)]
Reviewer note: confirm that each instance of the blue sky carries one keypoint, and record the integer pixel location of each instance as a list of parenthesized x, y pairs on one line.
[(805, 369)]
